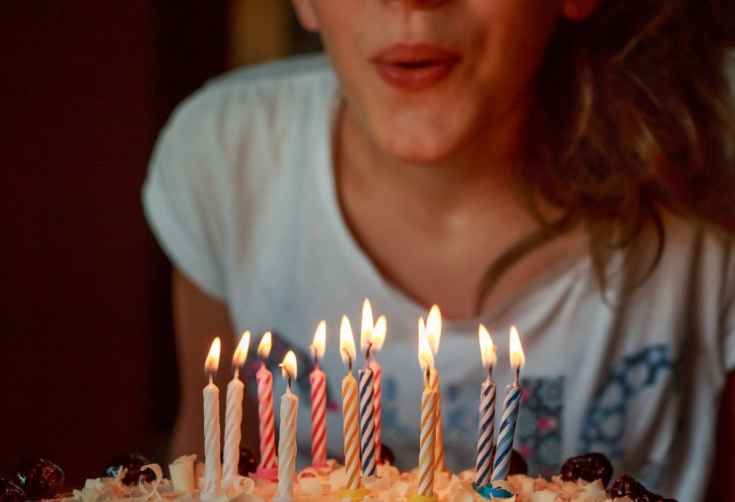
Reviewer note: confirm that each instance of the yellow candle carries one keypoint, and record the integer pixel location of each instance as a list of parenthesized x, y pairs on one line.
[(433, 335), (349, 413), (429, 400)]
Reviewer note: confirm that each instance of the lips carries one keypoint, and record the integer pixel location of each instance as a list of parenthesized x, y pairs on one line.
[(414, 67)]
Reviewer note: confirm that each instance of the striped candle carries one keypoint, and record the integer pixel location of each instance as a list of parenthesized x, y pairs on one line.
[(212, 462), (429, 409), (377, 407), (350, 428), (287, 443), (439, 446), (318, 381), (486, 425), (233, 415), (367, 421), (486, 430), (511, 405), (353, 488), (507, 430), (265, 417)]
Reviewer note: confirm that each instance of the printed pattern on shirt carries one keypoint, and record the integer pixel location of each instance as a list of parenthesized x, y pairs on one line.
[(538, 432), (603, 426)]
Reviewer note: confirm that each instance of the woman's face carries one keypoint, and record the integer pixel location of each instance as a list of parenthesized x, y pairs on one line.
[(425, 78)]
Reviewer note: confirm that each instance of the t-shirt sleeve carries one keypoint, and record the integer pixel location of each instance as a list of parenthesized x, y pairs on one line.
[(181, 199)]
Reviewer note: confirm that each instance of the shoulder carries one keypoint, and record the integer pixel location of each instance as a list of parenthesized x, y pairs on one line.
[(259, 92), (245, 121)]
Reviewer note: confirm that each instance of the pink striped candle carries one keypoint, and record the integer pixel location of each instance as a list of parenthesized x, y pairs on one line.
[(378, 338), (318, 381), (268, 467)]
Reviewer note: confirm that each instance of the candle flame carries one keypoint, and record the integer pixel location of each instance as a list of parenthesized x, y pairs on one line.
[(241, 352), (517, 358), (487, 349), (366, 331), (288, 366), (320, 339), (264, 347), (212, 362), (434, 328), (426, 358), (381, 326), (346, 341)]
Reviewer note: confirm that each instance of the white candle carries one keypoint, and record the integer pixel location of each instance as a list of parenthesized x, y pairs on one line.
[(233, 414), (213, 466), (287, 443)]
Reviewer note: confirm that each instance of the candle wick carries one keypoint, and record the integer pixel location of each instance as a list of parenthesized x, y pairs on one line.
[(237, 372), (518, 372), (316, 357), (289, 381), (367, 354), (428, 375), (490, 373), (210, 378), (349, 358)]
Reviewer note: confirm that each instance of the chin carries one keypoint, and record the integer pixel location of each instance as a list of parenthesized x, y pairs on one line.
[(419, 147)]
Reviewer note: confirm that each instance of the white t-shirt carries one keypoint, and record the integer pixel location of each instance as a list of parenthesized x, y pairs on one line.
[(241, 196)]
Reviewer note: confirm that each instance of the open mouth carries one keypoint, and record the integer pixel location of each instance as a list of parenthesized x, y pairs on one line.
[(414, 67)]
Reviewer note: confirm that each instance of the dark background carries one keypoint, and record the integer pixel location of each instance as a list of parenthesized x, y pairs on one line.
[(87, 362)]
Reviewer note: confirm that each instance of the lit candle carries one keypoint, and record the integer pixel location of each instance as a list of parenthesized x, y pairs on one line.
[(378, 339), (486, 427), (287, 443), (511, 405), (318, 381), (434, 333), (268, 468), (429, 410), (353, 488), (233, 414), (366, 392), (212, 464)]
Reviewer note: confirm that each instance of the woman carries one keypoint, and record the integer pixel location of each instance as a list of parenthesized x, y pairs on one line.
[(565, 166)]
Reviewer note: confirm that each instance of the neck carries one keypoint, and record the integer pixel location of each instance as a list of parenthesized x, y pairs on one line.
[(479, 166)]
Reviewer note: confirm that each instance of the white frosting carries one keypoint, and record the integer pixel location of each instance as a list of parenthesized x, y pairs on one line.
[(323, 485)]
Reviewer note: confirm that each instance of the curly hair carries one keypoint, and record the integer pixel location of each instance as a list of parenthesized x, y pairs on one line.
[(634, 116)]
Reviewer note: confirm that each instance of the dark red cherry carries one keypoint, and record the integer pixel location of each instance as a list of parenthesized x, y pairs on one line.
[(626, 486), (38, 478), (517, 464), (589, 467), (386, 455), (10, 492), (133, 463), (247, 463)]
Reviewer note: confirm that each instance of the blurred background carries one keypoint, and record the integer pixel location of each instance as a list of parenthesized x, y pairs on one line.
[(87, 363)]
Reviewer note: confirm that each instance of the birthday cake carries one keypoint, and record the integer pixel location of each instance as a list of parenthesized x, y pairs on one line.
[(581, 478)]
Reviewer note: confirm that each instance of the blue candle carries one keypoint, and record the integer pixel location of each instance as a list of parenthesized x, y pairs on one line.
[(367, 421), (486, 427), (511, 406)]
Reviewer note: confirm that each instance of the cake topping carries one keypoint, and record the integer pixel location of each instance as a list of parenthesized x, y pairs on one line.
[(517, 464), (133, 464), (626, 486), (246, 464), (10, 492), (39, 478), (589, 467)]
